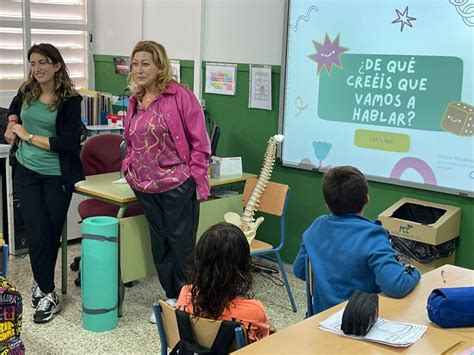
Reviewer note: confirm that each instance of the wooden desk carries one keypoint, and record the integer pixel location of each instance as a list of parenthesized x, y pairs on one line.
[(136, 260), (412, 308), (306, 338)]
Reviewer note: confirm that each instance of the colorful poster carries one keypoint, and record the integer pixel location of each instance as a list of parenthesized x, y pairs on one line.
[(221, 78), (122, 65)]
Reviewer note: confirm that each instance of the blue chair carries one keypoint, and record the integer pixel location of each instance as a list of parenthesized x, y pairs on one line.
[(204, 330), (309, 287), (4, 268), (274, 201)]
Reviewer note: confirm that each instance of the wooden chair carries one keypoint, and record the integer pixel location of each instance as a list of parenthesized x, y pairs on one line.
[(274, 201), (309, 287), (205, 330)]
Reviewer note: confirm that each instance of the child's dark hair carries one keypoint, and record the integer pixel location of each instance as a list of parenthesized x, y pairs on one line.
[(219, 270), (345, 190)]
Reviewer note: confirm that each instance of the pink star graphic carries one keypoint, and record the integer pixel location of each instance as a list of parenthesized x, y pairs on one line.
[(403, 18), (328, 54)]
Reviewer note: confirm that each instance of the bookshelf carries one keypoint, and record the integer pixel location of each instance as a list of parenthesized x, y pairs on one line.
[(95, 106)]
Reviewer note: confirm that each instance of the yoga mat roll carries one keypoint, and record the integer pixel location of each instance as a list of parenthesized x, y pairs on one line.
[(99, 273)]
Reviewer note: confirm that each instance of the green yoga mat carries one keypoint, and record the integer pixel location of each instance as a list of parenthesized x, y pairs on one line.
[(99, 273)]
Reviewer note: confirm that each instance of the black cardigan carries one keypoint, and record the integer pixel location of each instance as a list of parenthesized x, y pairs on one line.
[(68, 135)]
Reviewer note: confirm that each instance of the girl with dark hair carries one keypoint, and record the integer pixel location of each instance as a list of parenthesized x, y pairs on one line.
[(44, 121), (221, 281)]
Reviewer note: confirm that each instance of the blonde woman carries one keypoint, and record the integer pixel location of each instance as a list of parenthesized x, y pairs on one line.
[(166, 162), (45, 120)]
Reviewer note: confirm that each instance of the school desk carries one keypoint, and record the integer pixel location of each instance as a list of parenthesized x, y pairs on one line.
[(305, 337), (412, 307), (136, 260)]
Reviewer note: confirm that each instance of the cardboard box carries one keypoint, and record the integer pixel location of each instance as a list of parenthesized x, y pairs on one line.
[(445, 228), (424, 268), (226, 167)]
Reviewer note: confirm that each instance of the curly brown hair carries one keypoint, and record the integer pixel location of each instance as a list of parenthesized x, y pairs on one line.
[(63, 85), (220, 270)]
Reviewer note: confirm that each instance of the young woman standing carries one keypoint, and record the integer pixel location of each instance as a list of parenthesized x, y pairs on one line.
[(44, 120)]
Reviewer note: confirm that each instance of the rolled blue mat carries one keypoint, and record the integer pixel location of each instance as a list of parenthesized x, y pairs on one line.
[(99, 273)]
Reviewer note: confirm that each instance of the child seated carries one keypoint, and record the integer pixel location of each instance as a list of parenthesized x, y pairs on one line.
[(347, 251), (220, 281)]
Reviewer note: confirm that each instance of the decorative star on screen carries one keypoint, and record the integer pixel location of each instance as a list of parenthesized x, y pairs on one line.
[(328, 54), (403, 18)]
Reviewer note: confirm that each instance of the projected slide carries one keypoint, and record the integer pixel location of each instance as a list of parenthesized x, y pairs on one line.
[(387, 86)]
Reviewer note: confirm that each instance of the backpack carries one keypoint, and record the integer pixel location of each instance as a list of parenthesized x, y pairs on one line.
[(11, 309), (187, 345), (361, 313), (451, 307)]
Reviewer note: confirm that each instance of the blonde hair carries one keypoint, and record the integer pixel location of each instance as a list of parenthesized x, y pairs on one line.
[(63, 86), (161, 60)]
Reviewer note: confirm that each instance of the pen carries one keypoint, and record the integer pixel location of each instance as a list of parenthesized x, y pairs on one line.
[(442, 276)]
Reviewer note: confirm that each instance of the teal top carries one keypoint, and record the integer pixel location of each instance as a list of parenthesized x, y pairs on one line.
[(38, 120)]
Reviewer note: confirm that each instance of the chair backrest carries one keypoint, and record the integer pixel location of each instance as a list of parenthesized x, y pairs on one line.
[(273, 198), (273, 201), (204, 330), (100, 154), (309, 287), (3, 257)]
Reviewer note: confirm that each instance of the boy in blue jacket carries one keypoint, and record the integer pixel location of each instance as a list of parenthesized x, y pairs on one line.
[(347, 251)]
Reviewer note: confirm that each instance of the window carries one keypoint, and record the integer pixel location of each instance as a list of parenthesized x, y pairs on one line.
[(63, 23)]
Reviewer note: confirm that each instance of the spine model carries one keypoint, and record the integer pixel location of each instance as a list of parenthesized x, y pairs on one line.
[(247, 223)]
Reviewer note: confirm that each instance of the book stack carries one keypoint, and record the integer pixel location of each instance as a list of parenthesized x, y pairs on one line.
[(95, 106)]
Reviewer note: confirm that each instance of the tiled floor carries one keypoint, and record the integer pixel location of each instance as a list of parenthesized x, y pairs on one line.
[(134, 334)]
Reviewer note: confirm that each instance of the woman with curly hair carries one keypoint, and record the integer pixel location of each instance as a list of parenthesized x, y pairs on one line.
[(44, 122), (220, 284)]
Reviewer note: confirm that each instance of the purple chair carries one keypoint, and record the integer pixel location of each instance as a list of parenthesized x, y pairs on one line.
[(101, 154)]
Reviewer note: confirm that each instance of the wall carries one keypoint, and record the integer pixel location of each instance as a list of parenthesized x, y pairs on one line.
[(243, 31), (107, 81), (244, 132), (234, 33), (117, 26)]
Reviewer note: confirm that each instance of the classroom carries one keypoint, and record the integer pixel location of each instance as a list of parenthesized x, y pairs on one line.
[(386, 88)]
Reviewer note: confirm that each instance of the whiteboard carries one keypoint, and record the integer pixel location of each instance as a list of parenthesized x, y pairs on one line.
[(386, 86)]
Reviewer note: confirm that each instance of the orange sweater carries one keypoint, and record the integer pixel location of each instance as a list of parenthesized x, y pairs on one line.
[(250, 313)]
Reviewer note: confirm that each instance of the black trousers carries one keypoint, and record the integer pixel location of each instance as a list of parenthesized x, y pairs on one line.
[(173, 217), (44, 202)]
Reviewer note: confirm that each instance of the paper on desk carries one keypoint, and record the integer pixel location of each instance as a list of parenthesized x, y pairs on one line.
[(120, 181), (384, 331)]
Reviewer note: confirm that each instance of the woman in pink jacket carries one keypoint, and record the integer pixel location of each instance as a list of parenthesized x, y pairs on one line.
[(166, 162)]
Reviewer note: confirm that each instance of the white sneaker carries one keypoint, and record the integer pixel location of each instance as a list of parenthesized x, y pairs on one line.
[(47, 307), (152, 318)]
